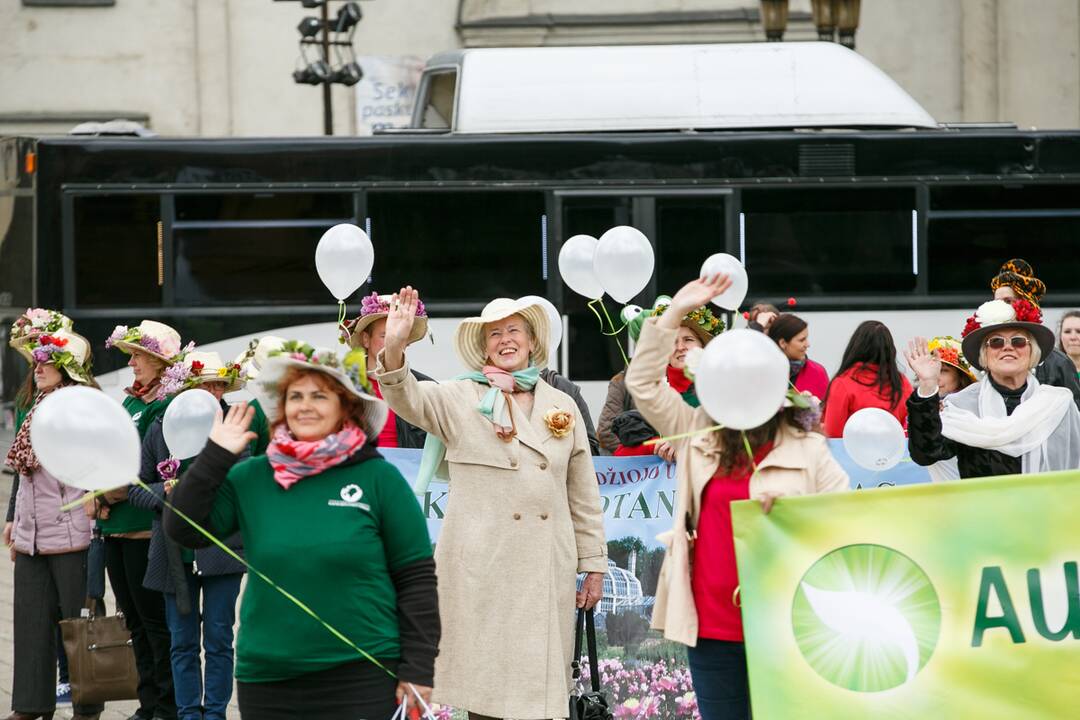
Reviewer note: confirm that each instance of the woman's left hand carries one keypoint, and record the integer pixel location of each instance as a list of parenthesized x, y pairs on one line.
[(405, 695), (591, 590), (767, 499), (666, 451)]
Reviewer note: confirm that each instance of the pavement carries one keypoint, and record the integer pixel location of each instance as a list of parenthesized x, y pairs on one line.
[(113, 711)]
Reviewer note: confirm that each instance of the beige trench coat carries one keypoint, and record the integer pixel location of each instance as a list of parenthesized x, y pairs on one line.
[(799, 464), (521, 520)]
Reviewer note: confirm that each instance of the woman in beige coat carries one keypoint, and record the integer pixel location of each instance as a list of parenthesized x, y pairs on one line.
[(523, 517), (700, 607)]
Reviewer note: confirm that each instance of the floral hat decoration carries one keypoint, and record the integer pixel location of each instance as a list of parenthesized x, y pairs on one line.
[(198, 368), (998, 315), (151, 337), (35, 322), (65, 350), (950, 352), (299, 354), (257, 353), (699, 321), (377, 307)]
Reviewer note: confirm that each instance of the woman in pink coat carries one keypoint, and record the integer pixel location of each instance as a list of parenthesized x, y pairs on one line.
[(791, 333)]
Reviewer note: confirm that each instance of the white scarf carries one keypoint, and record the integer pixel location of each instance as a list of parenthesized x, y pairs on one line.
[(1044, 430)]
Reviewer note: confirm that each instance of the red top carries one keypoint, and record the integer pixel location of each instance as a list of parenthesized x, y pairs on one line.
[(642, 449), (388, 435), (715, 575), (813, 379), (855, 389)]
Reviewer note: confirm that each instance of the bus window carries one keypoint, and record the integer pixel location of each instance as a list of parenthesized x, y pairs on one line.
[(229, 248), (688, 230), (829, 241), (458, 246), (973, 229), (116, 250)]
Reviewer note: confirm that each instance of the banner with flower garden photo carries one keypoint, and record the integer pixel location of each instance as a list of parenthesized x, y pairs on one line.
[(645, 675)]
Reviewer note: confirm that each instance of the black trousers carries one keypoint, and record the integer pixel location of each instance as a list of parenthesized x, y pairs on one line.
[(48, 588), (718, 670), (144, 613), (357, 690)]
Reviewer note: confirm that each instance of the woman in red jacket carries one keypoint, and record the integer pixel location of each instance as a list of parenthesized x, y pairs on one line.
[(791, 333), (869, 377)]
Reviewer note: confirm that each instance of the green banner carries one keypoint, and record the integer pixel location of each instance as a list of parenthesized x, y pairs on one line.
[(953, 600)]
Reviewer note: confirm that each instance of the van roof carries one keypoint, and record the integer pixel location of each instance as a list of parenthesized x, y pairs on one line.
[(674, 87)]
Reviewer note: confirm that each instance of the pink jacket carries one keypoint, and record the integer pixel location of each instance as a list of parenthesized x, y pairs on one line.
[(40, 527)]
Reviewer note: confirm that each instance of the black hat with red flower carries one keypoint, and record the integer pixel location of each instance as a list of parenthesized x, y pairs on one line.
[(999, 315)]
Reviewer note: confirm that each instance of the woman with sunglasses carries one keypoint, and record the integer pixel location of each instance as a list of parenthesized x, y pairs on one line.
[(984, 426)]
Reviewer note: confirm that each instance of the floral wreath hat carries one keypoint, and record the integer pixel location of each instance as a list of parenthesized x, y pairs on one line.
[(377, 307), (998, 315), (198, 368), (153, 338), (66, 350), (950, 352), (298, 354), (699, 321), (35, 322)]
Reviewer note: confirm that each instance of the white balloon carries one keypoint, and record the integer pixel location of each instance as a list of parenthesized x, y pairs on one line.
[(576, 266), (742, 379), (733, 297), (623, 262), (874, 439), (344, 258), (188, 421), (85, 439), (554, 324)]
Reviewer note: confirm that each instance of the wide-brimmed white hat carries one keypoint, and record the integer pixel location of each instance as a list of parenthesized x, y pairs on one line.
[(151, 337), (469, 341), (377, 307), (258, 352), (207, 367), (66, 350), (296, 354), (31, 324)]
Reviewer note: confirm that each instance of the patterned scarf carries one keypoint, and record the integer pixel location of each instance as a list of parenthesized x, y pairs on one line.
[(683, 385), (494, 406), (294, 460), (147, 393), (21, 457)]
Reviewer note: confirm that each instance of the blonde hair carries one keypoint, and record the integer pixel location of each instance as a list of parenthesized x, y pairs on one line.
[(1036, 351)]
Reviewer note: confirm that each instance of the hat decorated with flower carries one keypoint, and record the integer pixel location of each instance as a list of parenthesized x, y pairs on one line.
[(151, 337), (257, 353), (299, 354), (1020, 276), (377, 307), (950, 352), (34, 322), (699, 321), (199, 368), (997, 315), (65, 350)]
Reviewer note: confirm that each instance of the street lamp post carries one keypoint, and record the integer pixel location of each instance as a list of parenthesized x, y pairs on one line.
[(336, 60)]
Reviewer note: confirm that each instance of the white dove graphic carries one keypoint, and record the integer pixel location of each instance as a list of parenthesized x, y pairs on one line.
[(862, 616)]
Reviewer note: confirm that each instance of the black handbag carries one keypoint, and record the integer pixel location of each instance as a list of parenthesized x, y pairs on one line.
[(590, 705)]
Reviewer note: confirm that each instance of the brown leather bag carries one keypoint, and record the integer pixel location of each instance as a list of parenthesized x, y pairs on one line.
[(101, 661)]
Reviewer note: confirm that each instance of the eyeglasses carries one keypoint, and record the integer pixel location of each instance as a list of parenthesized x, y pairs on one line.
[(997, 342)]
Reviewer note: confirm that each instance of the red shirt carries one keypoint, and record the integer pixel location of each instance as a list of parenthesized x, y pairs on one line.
[(813, 378), (388, 435), (855, 389), (715, 576)]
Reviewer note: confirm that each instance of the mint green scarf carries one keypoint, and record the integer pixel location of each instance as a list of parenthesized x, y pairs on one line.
[(492, 406)]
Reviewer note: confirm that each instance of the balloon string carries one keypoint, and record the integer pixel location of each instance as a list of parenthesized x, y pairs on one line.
[(749, 452), (680, 436), (614, 332), (598, 318), (289, 596), (344, 334), (88, 496)]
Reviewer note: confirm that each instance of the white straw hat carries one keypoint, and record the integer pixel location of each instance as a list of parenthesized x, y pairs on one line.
[(296, 354), (469, 342), (254, 358), (151, 337), (207, 367), (65, 350)]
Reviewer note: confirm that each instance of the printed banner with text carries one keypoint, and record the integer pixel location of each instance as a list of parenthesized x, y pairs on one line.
[(948, 600)]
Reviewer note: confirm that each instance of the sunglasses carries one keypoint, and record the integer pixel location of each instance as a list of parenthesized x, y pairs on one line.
[(998, 342)]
